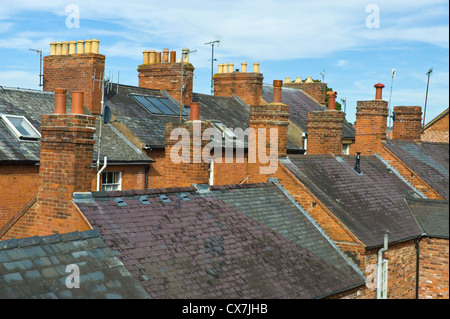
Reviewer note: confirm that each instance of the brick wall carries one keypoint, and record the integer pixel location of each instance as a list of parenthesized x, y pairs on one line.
[(133, 176), (191, 168), (74, 72), (325, 132), (316, 90), (18, 184), (246, 86), (438, 132), (167, 76), (370, 128), (408, 123), (434, 269)]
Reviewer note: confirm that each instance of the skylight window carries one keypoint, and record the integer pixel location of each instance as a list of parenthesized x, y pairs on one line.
[(159, 105), (21, 127)]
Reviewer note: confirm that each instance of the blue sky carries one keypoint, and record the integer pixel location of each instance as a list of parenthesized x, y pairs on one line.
[(356, 42)]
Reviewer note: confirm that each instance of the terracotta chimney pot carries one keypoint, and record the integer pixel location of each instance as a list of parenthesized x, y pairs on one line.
[(60, 101), (72, 47), (146, 58), (173, 56), (256, 67), (158, 57), (53, 48), (379, 91), (88, 46), (277, 85), (165, 57), (195, 111), (331, 100), (95, 46), (77, 103), (243, 67)]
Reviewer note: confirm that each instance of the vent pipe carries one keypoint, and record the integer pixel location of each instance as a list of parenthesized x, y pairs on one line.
[(358, 163)]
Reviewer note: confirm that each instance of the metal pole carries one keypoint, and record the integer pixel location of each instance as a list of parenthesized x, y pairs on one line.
[(212, 68), (426, 97), (390, 96)]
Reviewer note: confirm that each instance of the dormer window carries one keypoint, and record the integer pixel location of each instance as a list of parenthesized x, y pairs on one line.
[(21, 127)]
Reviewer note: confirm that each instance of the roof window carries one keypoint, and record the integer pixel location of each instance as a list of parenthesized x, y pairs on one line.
[(159, 105), (21, 127)]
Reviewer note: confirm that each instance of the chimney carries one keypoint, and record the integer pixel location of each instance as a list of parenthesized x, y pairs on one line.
[(245, 85), (65, 167), (316, 90), (74, 68), (325, 129), (370, 128), (265, 120), (165, 74), (183, 163), (407, 123)]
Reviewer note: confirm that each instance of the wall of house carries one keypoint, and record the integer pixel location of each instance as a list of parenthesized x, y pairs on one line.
[(438, 132), (230, 173), (434, 269), (133, 176), (18, 184)]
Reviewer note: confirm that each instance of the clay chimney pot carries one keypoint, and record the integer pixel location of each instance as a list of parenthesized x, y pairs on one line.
[(60, 101), (379, 91), (77, 103), (195, 111)]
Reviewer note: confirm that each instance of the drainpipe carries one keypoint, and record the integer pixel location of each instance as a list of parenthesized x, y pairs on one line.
[(147, 168), (418, 264), (100, 172), (380, 266)]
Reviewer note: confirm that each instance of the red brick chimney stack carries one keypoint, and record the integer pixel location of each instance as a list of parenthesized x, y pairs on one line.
[(74, 68), (371, 123), (247, 86), (277, 85), (407, 124), (325, 129), (316, 90), (66, 157), (164, 73)]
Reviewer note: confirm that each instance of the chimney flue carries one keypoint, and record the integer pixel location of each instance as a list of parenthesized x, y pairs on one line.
[(331, 100), (277, 85), (256, 67), (195, 111), (77, 103), (357, 167), (60, 101), (379, 91)]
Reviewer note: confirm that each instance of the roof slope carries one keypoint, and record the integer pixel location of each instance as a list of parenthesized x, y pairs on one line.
[(204, 247), (428, 160), (299, 106), (368, 204), (33, 104), (150, 128), (35, 267), (431, 215)]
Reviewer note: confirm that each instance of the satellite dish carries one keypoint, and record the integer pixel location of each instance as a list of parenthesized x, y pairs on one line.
[(106, 114)]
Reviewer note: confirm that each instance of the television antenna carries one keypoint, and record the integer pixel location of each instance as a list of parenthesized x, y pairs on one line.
[(39, 51), (390, 112), (323, 76), (183, 84), (212, 43), (426, 96)]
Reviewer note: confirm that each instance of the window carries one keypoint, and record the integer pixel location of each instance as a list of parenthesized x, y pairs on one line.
[(112, 181), (21, 127), (345, 149), (159, 105)]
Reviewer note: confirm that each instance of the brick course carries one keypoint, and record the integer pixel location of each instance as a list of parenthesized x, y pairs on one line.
[(246, 86), (408, 123), (325, 132)]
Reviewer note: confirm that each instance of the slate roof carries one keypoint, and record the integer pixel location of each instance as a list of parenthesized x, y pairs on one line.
[(368, 204), (431, 215), (428, 160), (206, 247), (33, 104), (35, 267), (150, 128), (299, 106)]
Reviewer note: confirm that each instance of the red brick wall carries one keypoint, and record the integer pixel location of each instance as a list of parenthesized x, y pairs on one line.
[(408, 123), (18, 184), (167, 76), (230, 173), (438, 132), (133, 176), (434, 269), (74, 72), (316, 90), (246, 86), (193, 169), (325, 132), (370, 128)]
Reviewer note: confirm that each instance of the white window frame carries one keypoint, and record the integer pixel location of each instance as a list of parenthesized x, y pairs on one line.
[(34, 134), (117, 184)]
